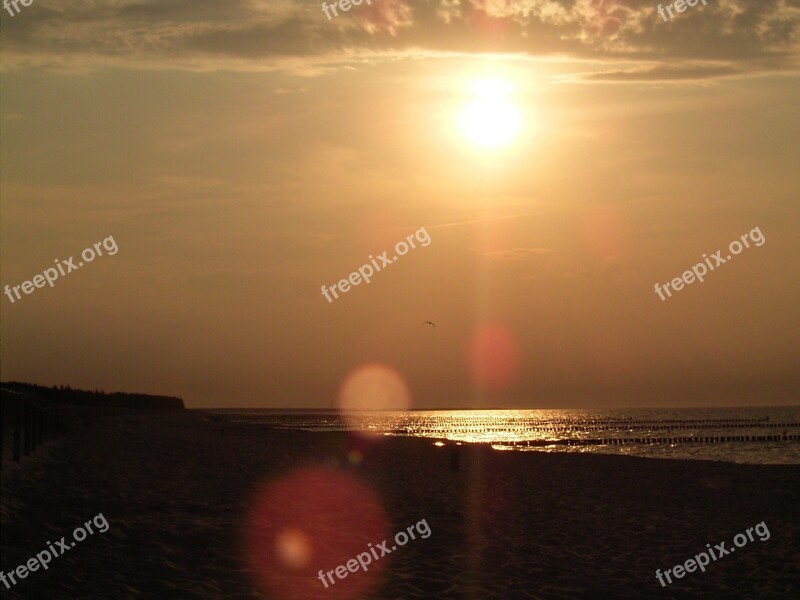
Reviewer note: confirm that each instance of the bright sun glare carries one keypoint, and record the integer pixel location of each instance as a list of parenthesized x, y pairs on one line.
[(490, 120)]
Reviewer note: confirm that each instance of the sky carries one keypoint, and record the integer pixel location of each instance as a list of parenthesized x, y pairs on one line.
[(563, 156)]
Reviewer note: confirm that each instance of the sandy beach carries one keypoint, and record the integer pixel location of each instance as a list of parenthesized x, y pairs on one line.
[(179, 492)]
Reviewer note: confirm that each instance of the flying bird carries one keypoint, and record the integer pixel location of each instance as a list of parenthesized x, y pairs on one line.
[(431, 323)]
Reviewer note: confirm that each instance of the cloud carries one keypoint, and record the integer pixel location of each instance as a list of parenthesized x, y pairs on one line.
[(479, 220), (516, 253), (736, 37), (666, 73)]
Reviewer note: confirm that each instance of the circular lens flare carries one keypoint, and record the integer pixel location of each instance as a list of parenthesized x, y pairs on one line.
[(293, 548), (374, 387), (354, 457), (605, 233), (310, 521), (371, 387), (493, 357)]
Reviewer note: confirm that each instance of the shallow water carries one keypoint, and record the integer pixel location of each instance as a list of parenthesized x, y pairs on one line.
[(699, 434)]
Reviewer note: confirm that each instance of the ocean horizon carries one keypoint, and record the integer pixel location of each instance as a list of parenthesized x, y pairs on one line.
[(749, 435)]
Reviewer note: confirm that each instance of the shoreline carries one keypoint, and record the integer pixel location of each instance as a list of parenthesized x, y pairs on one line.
[(770, 438)]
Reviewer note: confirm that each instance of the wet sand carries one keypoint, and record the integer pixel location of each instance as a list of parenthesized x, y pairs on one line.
[(178, 489)]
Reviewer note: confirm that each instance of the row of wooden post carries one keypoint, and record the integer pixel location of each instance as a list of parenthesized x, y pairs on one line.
[(660, 440), (29, 424)]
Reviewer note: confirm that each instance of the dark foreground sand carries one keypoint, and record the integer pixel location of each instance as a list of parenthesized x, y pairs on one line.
[(177, 489)]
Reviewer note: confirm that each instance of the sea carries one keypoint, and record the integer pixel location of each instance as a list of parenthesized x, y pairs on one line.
[(742, 435)]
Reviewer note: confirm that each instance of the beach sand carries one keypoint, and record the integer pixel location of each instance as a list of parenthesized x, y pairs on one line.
[(180, 493)]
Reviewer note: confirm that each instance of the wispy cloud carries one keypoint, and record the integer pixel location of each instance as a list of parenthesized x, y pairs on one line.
[(481, 220), (516, 253)]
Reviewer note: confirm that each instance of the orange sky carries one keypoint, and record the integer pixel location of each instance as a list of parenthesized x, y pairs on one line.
[(243, 154)]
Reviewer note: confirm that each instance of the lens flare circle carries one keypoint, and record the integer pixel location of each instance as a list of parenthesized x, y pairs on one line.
[(293, 548), (493, 357), (374, 387), (313, 519), (354, 457)]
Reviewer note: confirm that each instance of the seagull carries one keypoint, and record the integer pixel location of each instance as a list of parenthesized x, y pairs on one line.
[(431, 323)]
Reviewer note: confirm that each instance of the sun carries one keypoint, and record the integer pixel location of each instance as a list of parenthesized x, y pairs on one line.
[(490, 119), (490, 122)]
